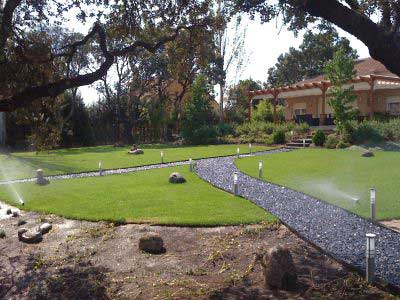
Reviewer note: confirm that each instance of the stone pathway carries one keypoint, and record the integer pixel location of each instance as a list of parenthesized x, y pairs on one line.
[(336, 231), (96, 173)]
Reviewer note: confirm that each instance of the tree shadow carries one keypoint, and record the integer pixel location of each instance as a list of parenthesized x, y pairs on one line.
[(78, 281)]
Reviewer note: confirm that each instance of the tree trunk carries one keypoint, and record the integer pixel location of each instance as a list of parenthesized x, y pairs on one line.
[(383, 45), (221, 103), (2, 129)]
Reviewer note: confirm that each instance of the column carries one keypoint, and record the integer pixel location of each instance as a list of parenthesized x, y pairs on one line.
[(322, 116)]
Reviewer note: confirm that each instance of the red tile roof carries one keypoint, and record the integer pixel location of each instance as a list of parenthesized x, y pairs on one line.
[(363, 67)]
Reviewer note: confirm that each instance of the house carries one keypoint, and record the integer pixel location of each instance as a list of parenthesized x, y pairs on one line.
[(377, 90)]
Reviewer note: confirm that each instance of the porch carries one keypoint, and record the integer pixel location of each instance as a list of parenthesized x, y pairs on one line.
[(308, 102)]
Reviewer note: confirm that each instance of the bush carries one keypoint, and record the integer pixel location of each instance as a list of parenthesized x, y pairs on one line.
[(342, 145), (366, 131), (331, 141), (204, 135), (319, 138), (279, 137), (224, 129)]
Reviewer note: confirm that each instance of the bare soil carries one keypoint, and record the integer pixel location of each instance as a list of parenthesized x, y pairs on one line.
[(88, 260), (393, 224)]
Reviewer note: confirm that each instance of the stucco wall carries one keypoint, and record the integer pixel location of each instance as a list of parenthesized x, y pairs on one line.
[(314, 103)]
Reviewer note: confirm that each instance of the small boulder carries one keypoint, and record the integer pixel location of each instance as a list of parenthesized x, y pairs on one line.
[(45, 228), (15, 214), (136, 152), (176, 178), (21, 222), (29, 237), (9, 212), (279, 269), (151, 243), (2, 234), (367, 154)]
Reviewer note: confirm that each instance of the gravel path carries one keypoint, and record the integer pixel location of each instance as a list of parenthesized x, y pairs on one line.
[(104, 173), (339, 233)]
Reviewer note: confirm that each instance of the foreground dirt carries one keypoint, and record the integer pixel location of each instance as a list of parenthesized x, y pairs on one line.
[(85, 260), (393, 224)]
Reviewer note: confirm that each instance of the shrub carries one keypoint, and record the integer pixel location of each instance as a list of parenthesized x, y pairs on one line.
[(224, 129), (302, 128), (342, 145), (319, 138), (204, 135), (2, 234), (366, 131), (279, 137), (331, 141)]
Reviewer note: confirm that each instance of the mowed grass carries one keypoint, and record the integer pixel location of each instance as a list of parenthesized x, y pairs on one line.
[(25, 164), (336, 176), (140, 197)]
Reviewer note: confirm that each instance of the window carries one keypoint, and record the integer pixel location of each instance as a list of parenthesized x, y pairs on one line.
[(300, 111), (394, 108)]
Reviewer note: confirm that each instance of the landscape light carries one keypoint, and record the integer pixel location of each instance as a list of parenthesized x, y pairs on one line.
[(100, 170), (372, 201), (370, 257), (237, 152), (162, 156), (250, 148), (260, 166), (235, 183), (190, 165)]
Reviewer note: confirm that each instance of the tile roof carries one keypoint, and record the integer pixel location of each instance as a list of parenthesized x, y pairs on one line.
[(363, 67)]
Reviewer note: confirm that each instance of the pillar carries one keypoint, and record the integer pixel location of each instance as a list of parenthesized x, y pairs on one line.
[(250, 107), (371, 98), (2, 128), (274, 103), (322, 116)]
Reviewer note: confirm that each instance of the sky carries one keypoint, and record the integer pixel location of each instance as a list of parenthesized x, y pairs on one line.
[(264, 43)]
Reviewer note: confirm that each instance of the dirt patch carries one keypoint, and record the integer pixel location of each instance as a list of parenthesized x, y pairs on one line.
[(393, 224), (86, 260)]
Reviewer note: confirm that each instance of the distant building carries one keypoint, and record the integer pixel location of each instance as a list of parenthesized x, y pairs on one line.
[(377, 90)]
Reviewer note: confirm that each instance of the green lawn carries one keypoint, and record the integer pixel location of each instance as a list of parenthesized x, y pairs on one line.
[(140, 197), (336, 176), (24, 164)]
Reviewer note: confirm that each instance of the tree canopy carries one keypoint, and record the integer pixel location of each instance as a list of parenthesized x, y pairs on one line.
[(310, 59), (375, 22), (35, 64)]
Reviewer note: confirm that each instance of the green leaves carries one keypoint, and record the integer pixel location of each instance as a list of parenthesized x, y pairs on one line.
[(340, 71)]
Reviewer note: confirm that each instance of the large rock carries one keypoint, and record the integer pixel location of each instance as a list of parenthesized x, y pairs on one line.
[(279, 270), (29, 236), (151, 243), (367, 154), (136, 152), (45, 228), (176, 178)]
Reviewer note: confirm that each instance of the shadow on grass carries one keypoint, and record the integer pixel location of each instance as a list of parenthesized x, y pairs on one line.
[(35, 163)]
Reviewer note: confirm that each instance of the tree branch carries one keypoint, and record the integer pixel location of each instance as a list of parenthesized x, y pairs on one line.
[(6, 22), (383, 45), (53, 89)]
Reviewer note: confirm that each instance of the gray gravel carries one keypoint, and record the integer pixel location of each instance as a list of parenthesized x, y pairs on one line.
[(336, 231), (96, 173)]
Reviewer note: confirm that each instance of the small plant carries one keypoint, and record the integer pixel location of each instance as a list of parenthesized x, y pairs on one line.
[(2, 234), (331, 141), (342, 145), (319, 138), (279, 137)]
